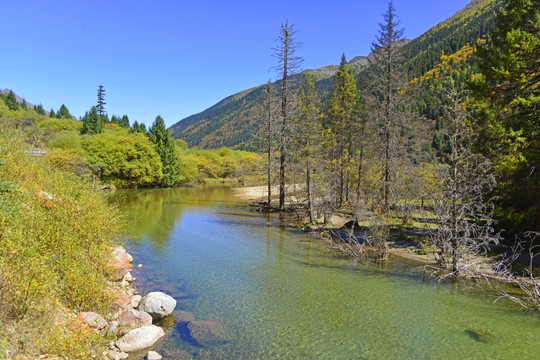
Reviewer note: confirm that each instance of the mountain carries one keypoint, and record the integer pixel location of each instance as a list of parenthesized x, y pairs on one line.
[(233, 121), (443, 51), (18, 98)]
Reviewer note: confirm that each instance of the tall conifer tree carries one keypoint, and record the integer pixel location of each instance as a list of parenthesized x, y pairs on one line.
[(161, 136), (388, 80), (307, 136), (341, 114), (100, 107)]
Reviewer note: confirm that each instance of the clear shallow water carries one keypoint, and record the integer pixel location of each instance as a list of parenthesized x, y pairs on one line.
[(286, 297)]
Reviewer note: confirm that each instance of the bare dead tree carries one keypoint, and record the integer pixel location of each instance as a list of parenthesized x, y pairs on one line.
[(528, 281), (463, 207), (378, 238), (288, 64), (344, 241)]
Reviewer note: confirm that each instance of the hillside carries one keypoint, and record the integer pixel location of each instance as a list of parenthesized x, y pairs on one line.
[(232, 121)]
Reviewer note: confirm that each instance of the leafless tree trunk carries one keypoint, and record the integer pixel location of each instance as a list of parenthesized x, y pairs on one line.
[(288, 64)]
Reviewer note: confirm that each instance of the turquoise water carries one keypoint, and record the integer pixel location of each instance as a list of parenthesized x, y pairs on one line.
[(285, 296)]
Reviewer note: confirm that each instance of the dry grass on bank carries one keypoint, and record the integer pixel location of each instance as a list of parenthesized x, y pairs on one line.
[(56, 236)]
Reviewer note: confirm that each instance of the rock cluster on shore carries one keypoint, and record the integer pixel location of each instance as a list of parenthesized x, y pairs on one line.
[(135, 323)]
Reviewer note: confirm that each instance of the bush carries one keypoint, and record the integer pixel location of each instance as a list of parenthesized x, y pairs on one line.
[(125, 160)]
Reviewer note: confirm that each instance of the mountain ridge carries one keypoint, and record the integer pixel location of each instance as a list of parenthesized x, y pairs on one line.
[(233, 121)]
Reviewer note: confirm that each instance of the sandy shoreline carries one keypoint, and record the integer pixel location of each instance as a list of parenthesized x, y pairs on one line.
[(254, 192)]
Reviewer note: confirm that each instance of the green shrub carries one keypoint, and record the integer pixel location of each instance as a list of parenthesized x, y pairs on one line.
[(125, 160)]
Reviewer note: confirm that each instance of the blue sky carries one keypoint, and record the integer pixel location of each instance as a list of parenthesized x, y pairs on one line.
[(177, 58)]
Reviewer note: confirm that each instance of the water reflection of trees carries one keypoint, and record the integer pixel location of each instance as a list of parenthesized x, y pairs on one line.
[(154, 213)]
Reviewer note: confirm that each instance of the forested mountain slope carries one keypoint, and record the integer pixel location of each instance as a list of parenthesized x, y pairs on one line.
[(233, 120), (443, 51)]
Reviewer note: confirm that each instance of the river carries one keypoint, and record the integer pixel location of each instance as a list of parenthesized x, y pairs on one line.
[(284, 296)]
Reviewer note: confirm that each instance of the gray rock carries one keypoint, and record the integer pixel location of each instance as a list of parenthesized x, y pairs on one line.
[(140, 339), (115, 355), (152, 355), (112, 330), (209, 332), (128, 277), (135, 300), (158, 305)]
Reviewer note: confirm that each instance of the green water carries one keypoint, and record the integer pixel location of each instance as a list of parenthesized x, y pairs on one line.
[(285, 296)]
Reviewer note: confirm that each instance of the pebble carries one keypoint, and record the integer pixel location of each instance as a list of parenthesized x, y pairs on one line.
[(152, 355)]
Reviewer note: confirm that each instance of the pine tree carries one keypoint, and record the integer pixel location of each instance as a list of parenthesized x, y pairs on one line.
[(92, 122), (101, 101), (138, 128), (307, 136), (63, 113), (124, 122), (11, 101), (39, 109), (508, 104), (387, 83), (165, 148), (341, 114), (288, 64), (23, 104), (52, 114)]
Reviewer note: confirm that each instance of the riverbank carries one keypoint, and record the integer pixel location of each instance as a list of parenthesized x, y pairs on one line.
[(402, 249)]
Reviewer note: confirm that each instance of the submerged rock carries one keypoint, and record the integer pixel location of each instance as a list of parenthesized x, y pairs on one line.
[(158, 305), (140, 339), (92, 319), (182, 316), (177, 354), (478, 335), (209, 332)]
